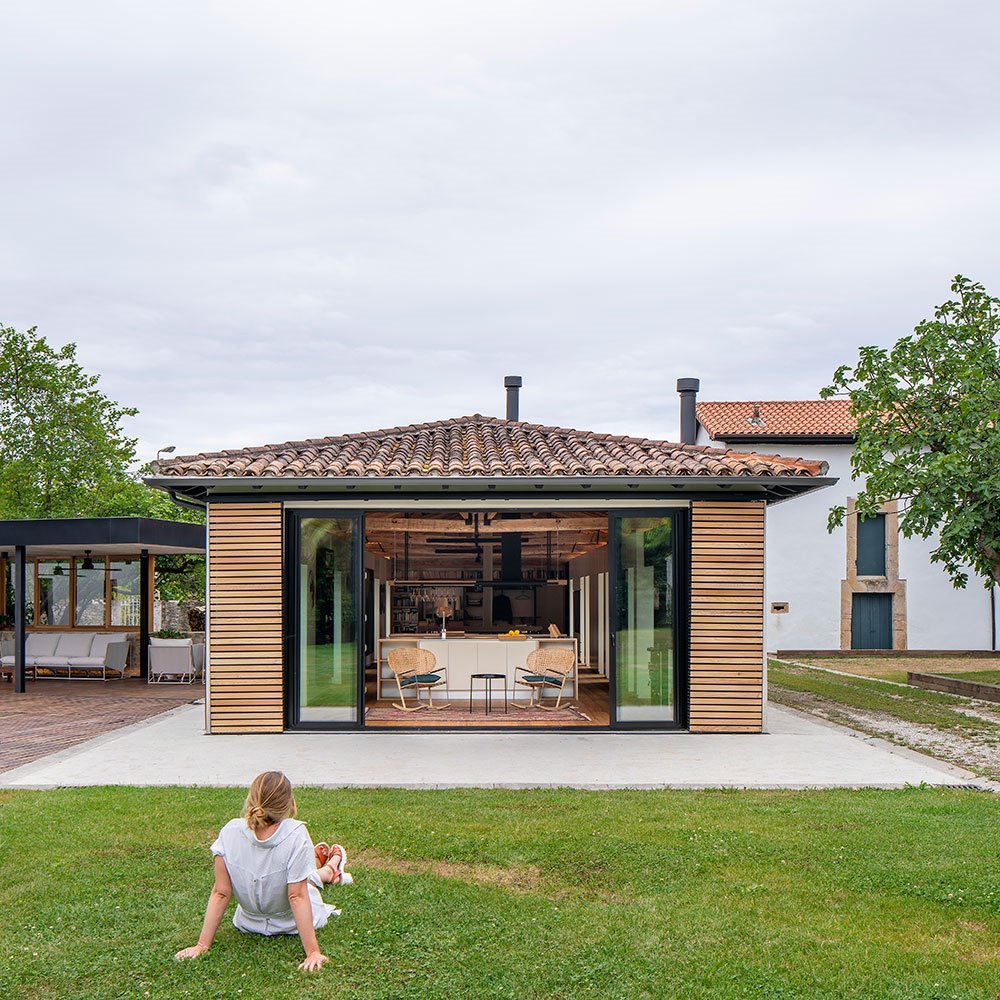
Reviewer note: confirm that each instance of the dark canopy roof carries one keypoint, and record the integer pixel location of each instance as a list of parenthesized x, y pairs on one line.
[(101, 536)]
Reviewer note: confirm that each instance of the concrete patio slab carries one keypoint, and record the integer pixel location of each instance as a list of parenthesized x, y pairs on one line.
[(797, 752)]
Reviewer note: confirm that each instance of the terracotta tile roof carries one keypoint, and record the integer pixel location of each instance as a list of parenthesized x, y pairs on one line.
[(777, 418), (483, 446)]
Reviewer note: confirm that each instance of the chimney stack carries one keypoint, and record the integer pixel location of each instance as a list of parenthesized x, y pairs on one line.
[(512, 383), (688, 390)]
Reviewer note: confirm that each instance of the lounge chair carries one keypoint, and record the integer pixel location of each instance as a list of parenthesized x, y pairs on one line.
[(546, 668), (416, 670), (175, 661)]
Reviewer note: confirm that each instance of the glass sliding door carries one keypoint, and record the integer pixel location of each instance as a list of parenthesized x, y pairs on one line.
[(644, 618), (327, 630)]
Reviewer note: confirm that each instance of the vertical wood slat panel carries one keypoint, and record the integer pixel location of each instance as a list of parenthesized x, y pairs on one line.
[(727, 617), (245, 674)]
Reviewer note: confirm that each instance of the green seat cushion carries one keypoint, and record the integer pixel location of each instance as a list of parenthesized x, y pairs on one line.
[(420, 679), (542, 679)]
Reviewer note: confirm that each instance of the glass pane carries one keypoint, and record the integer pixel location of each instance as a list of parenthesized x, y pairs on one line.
[(125, 604), (29, 594), (90, 593), (53, 592), (7, 598), (644, 620), (328, 658)]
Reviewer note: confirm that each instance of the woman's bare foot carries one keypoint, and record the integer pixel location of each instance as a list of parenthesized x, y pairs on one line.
[(331, 871)]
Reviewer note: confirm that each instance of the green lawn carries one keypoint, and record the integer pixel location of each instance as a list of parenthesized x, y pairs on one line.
[(977, 676), (522, 894), (911, 704), (321, 663)]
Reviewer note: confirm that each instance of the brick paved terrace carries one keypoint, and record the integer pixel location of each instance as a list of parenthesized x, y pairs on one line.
[(53, 715)]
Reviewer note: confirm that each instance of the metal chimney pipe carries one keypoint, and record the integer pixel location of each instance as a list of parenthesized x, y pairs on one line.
[(512, 383), (688, 390)]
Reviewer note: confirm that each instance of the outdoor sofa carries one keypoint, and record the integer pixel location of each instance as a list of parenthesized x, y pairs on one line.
[(62, 653)]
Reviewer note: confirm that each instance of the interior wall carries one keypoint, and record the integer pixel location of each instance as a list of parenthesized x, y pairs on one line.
[(590, 573)]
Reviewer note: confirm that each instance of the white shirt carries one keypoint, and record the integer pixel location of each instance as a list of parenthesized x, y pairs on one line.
[(261, 871)]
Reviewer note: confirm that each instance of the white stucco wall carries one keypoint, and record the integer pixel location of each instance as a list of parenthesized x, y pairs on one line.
[(805, 565)]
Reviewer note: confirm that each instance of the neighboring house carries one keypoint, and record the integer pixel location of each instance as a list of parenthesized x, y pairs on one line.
[(644, 557), (863, 585)]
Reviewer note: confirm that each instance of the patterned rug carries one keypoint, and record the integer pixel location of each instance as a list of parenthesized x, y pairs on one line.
[(457, 714)]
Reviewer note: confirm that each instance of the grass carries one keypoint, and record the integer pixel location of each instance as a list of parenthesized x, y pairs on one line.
[(929, 708), (977, 676), (930, 721), (522, 894), (321, 663), (894, 668)]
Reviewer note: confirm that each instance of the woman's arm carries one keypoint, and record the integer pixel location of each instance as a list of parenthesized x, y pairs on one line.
[(222, 892), (298, 899)]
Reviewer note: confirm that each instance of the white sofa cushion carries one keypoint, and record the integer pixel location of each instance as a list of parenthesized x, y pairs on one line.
[(86, 661), (74, 644), (50, 661), (7, 661), (154, 641), (41, 644), (104, 639)]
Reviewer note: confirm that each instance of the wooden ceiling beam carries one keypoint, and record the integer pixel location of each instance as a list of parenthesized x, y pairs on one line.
[(440, 525)]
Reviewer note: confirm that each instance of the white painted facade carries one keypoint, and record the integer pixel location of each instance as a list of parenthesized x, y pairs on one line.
[(806, 564)]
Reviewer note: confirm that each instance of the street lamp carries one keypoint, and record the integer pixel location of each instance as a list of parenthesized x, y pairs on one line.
[(169, 450)]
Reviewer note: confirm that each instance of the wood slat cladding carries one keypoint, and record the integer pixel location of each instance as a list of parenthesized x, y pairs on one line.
[(727, 617), (245, 618)]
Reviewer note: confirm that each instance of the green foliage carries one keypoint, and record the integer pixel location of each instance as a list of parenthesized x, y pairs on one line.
[(64, 452), (181, 578), (63, 448), (928, 413), (169, 633)]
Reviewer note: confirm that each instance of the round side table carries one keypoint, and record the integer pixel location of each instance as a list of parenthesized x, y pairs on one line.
[(488, 680)]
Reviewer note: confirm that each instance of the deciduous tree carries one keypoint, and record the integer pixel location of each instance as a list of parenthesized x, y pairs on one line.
[(928, 431)]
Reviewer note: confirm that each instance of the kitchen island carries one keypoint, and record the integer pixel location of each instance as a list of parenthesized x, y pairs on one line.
[(465, 655)]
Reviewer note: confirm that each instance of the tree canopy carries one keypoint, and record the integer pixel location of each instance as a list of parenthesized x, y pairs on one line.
[(928, 431), (63, 448)]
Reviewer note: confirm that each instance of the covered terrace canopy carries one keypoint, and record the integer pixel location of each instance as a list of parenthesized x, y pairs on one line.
[(85, 540)]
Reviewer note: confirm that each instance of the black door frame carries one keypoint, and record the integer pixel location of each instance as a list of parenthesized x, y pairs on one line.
[(681, 558), (682, 569), (292, 548)]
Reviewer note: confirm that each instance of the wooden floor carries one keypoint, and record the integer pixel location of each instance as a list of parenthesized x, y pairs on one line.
[(592, 702)]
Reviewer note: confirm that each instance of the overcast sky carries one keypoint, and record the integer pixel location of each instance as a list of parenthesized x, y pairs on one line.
[(271, 221)]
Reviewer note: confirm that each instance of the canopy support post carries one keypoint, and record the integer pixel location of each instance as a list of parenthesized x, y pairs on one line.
[(19, 636), (144, 614)]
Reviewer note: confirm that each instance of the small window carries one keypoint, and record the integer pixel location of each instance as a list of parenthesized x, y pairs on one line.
[(871, 546)]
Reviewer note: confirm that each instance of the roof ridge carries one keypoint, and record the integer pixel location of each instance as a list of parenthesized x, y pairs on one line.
[(757, 402), (384, 432), (477, 445)]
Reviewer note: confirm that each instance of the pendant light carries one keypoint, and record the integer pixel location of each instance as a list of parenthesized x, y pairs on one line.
[(87, 563)]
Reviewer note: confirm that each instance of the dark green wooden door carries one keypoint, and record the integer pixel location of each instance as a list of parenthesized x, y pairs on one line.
[(871, 621)]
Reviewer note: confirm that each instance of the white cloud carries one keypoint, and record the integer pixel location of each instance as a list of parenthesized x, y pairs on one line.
[(262, 221)]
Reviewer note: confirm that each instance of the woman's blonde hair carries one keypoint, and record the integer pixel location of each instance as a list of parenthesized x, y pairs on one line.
[(269, 800)]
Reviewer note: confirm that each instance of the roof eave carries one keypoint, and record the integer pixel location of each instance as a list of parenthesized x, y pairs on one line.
[(774, 488)]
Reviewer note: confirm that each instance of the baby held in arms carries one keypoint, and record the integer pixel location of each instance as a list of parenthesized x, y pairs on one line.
[(266, 859)]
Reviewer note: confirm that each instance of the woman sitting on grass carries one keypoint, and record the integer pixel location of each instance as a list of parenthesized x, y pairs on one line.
[(267, 859)]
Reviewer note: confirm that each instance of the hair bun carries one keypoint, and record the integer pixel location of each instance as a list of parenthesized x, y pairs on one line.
[(256, 816)]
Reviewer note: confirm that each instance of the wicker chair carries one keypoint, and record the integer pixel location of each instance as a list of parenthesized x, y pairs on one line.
[(416, 670), (547, 668)]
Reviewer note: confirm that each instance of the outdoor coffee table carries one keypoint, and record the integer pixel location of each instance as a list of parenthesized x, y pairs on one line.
[(488, 680)]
